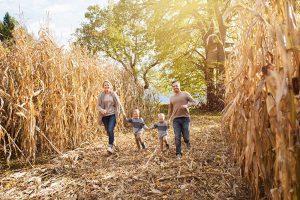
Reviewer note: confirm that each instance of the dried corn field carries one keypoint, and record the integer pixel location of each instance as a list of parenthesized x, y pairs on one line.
[(262, 96), (48, 97), (48, 108), (88, 172)]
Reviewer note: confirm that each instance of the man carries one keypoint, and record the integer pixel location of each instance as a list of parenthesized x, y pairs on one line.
[(179, 111)]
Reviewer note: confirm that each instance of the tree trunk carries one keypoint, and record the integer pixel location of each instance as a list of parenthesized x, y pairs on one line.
[(215, 58), (211, 50), (221, 57)]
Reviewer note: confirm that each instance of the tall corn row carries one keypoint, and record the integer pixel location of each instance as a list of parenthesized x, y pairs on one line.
[(262, 86), (47, 97), (136, 97)]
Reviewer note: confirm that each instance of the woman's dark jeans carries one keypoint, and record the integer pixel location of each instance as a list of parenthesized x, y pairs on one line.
[(181, 125), (109, 124)]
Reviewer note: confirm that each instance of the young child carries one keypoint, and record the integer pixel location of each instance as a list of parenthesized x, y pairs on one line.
[(162, 127), (138, 125)]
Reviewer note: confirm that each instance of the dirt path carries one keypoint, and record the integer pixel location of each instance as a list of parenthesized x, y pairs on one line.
[(207, 172)]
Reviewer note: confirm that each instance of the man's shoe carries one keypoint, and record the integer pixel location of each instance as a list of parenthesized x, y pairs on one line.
[(110, 150), (178, 156)]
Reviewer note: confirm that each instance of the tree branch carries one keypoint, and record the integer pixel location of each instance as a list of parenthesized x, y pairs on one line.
[(146, 86), (200, 54)]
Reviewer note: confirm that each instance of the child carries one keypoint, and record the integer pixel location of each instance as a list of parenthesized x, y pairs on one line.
[(162, 127), (138, 125)]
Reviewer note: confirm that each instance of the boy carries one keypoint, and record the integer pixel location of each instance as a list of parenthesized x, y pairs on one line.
[(138, 125), (162, 127)]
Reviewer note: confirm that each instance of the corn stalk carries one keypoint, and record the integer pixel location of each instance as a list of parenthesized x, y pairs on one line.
[(48, 96), (262, 96)]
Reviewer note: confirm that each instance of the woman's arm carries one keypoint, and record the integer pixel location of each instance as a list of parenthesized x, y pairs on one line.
[(120, 104), (100, 109)]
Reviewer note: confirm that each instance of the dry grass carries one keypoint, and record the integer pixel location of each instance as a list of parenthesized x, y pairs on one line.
[(48, 96), (208, 172), (262, 113)]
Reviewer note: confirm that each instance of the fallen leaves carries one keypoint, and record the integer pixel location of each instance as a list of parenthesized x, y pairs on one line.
[(206, 172)]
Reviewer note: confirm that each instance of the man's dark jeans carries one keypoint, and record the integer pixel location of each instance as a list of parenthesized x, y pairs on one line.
[(181, 125), (109, 124)]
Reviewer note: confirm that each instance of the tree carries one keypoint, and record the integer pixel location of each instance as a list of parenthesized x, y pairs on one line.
[(194, 31), (119, 32), (7, 28), (184, 71), (185, 38), (177, 32), (215, 39)]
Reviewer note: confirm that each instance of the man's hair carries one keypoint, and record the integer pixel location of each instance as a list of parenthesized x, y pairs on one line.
[(175, 81)]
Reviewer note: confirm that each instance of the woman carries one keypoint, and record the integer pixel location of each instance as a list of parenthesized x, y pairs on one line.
[(109, 107)]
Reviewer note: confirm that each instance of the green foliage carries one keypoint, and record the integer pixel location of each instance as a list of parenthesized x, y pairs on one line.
[(178, 28), (297, 7), (155, 40), (120, 33), (6, 28), (176, 25), (183, 70)]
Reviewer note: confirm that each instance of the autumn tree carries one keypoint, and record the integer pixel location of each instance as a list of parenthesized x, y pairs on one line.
[(215, 44), (186, 39), (193, 32), (119, 32)]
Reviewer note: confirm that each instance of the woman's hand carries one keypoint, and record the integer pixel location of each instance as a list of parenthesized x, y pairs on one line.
[(103, 111)]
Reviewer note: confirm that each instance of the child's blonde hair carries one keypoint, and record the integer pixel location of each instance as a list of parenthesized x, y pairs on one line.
[(161, 114), (107, 81), (136, 110)]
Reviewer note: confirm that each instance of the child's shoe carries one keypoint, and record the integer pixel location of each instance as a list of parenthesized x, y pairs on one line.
[(168, 146), (143, 145), (188, 146)]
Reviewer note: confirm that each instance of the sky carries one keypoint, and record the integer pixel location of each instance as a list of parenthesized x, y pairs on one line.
[(62, 16)]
